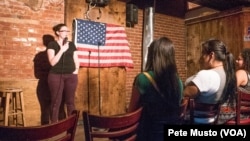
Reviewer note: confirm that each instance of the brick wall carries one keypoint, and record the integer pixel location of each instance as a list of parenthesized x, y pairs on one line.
[(21, 31), (22, 26)]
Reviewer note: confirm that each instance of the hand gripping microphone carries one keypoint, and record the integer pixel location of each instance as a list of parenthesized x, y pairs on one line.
[(65, 40)]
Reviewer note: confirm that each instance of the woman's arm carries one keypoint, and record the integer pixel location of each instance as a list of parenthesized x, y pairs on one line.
[(54, 58), (191, 90), (204, 81), (76, 61), (134, 100)]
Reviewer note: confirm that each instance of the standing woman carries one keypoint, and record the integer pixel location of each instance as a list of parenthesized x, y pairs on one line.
[(42, 68), (160, 106), (243, 69), (62, 77)]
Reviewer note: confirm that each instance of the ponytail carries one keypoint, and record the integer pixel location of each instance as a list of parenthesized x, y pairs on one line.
[(229, 92)]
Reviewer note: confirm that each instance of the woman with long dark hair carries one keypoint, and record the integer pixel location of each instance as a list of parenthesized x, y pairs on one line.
[(216, 81), (243, 69), (161, 104)]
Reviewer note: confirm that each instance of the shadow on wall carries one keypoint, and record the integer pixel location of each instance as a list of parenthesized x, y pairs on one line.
[(41, 70), (29, 86)]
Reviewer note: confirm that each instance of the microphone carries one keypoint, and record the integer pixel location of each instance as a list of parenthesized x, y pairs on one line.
[(65, 40)]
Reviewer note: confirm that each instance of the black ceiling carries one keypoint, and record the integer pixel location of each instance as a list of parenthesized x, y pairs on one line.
[(180, 7), (221, 5), (176, 8)]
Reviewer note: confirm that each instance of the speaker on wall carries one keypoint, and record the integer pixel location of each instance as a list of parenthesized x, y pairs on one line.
[(131, 15)]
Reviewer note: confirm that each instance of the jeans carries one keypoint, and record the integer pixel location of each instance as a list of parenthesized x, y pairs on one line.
[(62, 86)]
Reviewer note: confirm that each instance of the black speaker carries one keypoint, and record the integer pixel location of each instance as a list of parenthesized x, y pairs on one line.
[(99, 3), (131, 14)]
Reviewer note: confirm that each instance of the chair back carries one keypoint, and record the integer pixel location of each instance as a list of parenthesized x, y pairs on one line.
[(183, 109), (63, 130), (242, 108), (203, 112), (122, 127)]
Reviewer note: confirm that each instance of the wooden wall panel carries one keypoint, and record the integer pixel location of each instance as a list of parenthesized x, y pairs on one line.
[(114, 13), (226, 26), (112, 96), (193, 48), (246, 20), (101, 91)]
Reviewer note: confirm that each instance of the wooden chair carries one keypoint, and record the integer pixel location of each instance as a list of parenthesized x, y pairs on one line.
[(203, 112), (242, 107), (183, 109), (64, 130), (113, 127)]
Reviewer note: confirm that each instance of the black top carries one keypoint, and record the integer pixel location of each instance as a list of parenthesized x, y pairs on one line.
[(66, 63)]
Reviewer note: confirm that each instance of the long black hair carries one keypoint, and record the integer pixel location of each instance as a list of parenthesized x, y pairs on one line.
[(245, 53), (161, 60)]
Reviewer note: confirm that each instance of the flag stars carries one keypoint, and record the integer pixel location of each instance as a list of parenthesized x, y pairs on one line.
[(91, 32)]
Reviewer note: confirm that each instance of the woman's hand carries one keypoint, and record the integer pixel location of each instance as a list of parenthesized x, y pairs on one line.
[(65, 47)]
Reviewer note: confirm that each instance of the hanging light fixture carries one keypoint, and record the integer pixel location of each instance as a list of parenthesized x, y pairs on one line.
[(98, 3)]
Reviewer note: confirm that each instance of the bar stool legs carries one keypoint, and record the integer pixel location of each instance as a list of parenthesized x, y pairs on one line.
[(13, 106)]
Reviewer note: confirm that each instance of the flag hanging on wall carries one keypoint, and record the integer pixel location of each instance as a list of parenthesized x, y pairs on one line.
[(101, 44)]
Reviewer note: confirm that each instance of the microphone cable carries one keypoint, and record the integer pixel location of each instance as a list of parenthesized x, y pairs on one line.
[(99, 83), (65, 40), (61, 75), (88, 82)]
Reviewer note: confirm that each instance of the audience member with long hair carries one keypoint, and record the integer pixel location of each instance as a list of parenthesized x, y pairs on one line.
[(161, 105), (216, 81), (243, 69)]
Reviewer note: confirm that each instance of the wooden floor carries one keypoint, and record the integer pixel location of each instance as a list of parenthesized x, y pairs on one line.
[(80, 134)]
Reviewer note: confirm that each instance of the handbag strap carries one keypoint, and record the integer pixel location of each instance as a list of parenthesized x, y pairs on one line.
[(153, 83)]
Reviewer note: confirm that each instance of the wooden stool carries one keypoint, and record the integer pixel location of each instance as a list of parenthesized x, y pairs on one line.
[(13, 106)]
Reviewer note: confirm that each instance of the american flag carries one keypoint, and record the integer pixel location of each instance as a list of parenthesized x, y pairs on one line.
[(101, 44)]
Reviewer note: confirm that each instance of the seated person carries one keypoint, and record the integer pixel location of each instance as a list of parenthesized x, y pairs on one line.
[(243, 69), (216, 81), (242, 73)]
